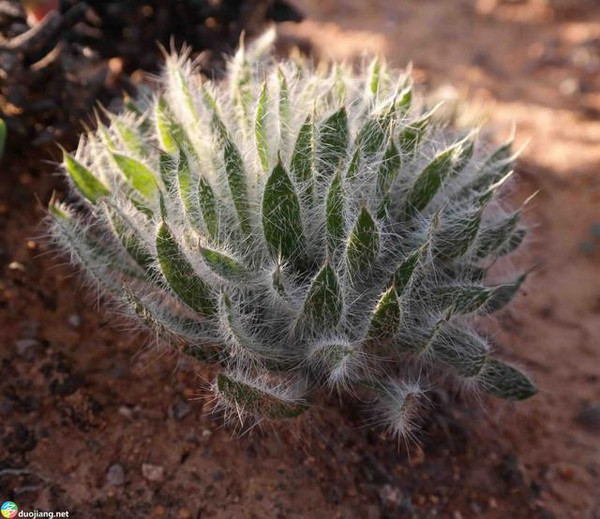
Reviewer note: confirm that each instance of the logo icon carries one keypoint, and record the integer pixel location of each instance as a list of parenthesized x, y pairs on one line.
[(9, 509)]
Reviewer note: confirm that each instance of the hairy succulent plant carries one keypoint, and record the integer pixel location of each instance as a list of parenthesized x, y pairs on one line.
[(301, 228)]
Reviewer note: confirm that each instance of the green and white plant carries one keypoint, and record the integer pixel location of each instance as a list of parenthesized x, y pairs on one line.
[(300, 227)]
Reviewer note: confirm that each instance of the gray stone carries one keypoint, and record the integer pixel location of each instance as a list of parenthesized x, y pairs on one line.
[(115, 475)]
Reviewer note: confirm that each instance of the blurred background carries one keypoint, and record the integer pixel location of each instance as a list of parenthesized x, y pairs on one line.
[(95, 423)]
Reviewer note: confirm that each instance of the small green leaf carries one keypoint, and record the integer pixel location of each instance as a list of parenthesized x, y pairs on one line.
[(388, 171), (386, 316), (303, 158), (354, 166), (324, 304), (363, 244), (465, 299), (260, 128), (332, 143), (457, 234), (334, 213), (181, 277), (236, 176), (218, 127), (463, 154), (502, 295), (169, 132), (513, 242), (208, 208), (89, 186), (372, 134), (167, 168), (130, 238), (491, 238), (223, 264), (374, 77), (406, 269), (429, 181), (504, 381), (281, 217), (246, 398), (465, 353), (404, 100), (412, 134), (139, 175), (285, 108), (130, 138)]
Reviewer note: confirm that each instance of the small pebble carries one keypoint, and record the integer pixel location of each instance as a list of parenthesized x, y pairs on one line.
[(24, 345), (115, 475), (153, 472), (390, 494), (180, 410), (74, 320)]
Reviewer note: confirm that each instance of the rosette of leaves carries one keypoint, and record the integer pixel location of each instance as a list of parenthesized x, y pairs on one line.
[(300, 228)]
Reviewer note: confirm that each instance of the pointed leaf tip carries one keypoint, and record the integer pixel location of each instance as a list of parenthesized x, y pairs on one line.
[(87, 184)]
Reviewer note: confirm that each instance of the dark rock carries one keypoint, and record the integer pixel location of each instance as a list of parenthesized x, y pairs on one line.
[(589, 417), (180, 410)]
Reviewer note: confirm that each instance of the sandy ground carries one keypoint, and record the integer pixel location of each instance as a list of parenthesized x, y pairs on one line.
[(94, 423)]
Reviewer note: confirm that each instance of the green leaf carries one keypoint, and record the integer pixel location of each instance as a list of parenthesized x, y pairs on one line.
[(385, 320), (324, 304), (332, 143), (363, 244), (513, 242), (429, 181), (260, 128), (139, 176), (457, 234), (334, 213), (354, 166), (502, 295), (504, 381), (406, 269), (246, 398), (281, 217), (491, 238), (465, 299), (412, 134), (166, 324), (218, 126), (388, 171), (169, 132), (465, 353), (404, 100), (223, 264), (130, 138), (374, 77), (184, 180), (88, 185), (130, 238), (208, 208), (285, 108), (236, 177), (181, 277), (303, 158), (463, 155), (167, 169), (374, 131)]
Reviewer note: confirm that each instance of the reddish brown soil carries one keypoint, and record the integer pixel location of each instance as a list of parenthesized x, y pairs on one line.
[(83, 394)]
